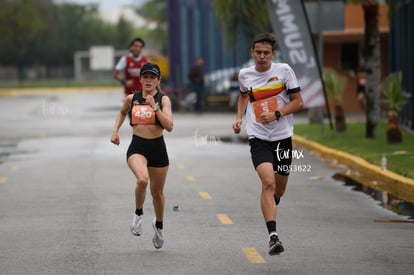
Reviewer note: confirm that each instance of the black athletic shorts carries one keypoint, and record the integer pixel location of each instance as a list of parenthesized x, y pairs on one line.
[(154, 150), (277, 152)]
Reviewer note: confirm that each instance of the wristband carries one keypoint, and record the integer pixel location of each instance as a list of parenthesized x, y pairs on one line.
[(156, 107), (123, 82), (278, 115)]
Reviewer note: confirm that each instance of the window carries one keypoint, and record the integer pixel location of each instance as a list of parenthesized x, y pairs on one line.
[(349, 56)]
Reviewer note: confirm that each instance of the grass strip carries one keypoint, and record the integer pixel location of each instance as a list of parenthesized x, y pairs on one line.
[(400, 157)]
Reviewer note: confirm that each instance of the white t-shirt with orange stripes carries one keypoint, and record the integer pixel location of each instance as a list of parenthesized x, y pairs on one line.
[(277, 82)]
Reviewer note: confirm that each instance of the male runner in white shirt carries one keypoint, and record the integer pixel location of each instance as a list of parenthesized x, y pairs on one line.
[(270, 94)]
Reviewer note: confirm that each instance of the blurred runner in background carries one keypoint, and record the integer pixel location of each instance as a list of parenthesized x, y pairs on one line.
[(127, 70), (196, 77)]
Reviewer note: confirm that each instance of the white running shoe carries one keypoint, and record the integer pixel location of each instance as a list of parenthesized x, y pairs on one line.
[(157, 240), (136, 227)]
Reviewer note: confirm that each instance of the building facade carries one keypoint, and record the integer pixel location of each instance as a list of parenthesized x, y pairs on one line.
[(402, 56), (342, 49), (194, 32)]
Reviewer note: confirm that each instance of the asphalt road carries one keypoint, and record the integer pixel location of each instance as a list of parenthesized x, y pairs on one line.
[(66, 201)]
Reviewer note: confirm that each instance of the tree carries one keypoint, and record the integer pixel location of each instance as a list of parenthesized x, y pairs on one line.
[(123, 33), (395, 98), (155, 12), (334, 85), (247, 17), (41, 32), (21, 21), (373, 66)]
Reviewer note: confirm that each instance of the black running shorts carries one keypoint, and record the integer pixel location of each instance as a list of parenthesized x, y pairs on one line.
[(154, 150), (279, 153)]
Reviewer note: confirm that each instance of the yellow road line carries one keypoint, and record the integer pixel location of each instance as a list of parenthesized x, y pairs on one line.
[(3, 180), (180, 166), (224, 219), (253, 256), (205, 195), (191, 178)]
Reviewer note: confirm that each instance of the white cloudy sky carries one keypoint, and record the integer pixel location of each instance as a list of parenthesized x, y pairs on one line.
[(107, 4), (111, 10)]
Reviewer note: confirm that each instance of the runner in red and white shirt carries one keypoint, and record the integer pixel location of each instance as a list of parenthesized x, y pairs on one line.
[(130, 66)]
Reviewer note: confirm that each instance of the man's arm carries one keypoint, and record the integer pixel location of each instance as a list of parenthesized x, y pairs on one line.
[(118, 68), (295, 104), (117, 76), (241, 109)]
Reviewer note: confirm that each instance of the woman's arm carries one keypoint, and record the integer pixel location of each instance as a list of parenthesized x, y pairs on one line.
[(123, 112), (165, 115)]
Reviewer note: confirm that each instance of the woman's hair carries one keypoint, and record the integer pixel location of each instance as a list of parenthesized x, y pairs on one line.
[(265, 38), (159, 89)]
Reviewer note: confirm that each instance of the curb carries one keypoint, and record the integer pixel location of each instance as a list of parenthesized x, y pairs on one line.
[(393, 183)]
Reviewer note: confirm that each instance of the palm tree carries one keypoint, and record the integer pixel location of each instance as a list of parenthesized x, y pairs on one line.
[(395, 98), (246, 17), (334, 85), (373, 66)]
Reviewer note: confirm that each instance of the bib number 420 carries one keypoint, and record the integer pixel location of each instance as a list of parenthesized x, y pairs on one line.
[(143, 114)]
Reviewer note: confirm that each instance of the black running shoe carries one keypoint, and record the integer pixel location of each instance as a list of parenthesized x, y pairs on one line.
[(275, 245)]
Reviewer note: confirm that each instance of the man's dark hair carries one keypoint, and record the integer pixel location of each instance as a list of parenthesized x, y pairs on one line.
[(137, 40), (265, 38)]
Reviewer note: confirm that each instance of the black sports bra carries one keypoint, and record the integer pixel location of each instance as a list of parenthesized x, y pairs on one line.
[(138, 99)]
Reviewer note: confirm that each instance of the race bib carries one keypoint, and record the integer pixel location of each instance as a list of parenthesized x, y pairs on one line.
[(263, 106), (142, 114)]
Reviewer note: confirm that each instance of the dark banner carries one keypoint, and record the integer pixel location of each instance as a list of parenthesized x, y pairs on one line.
[(294, 38)]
